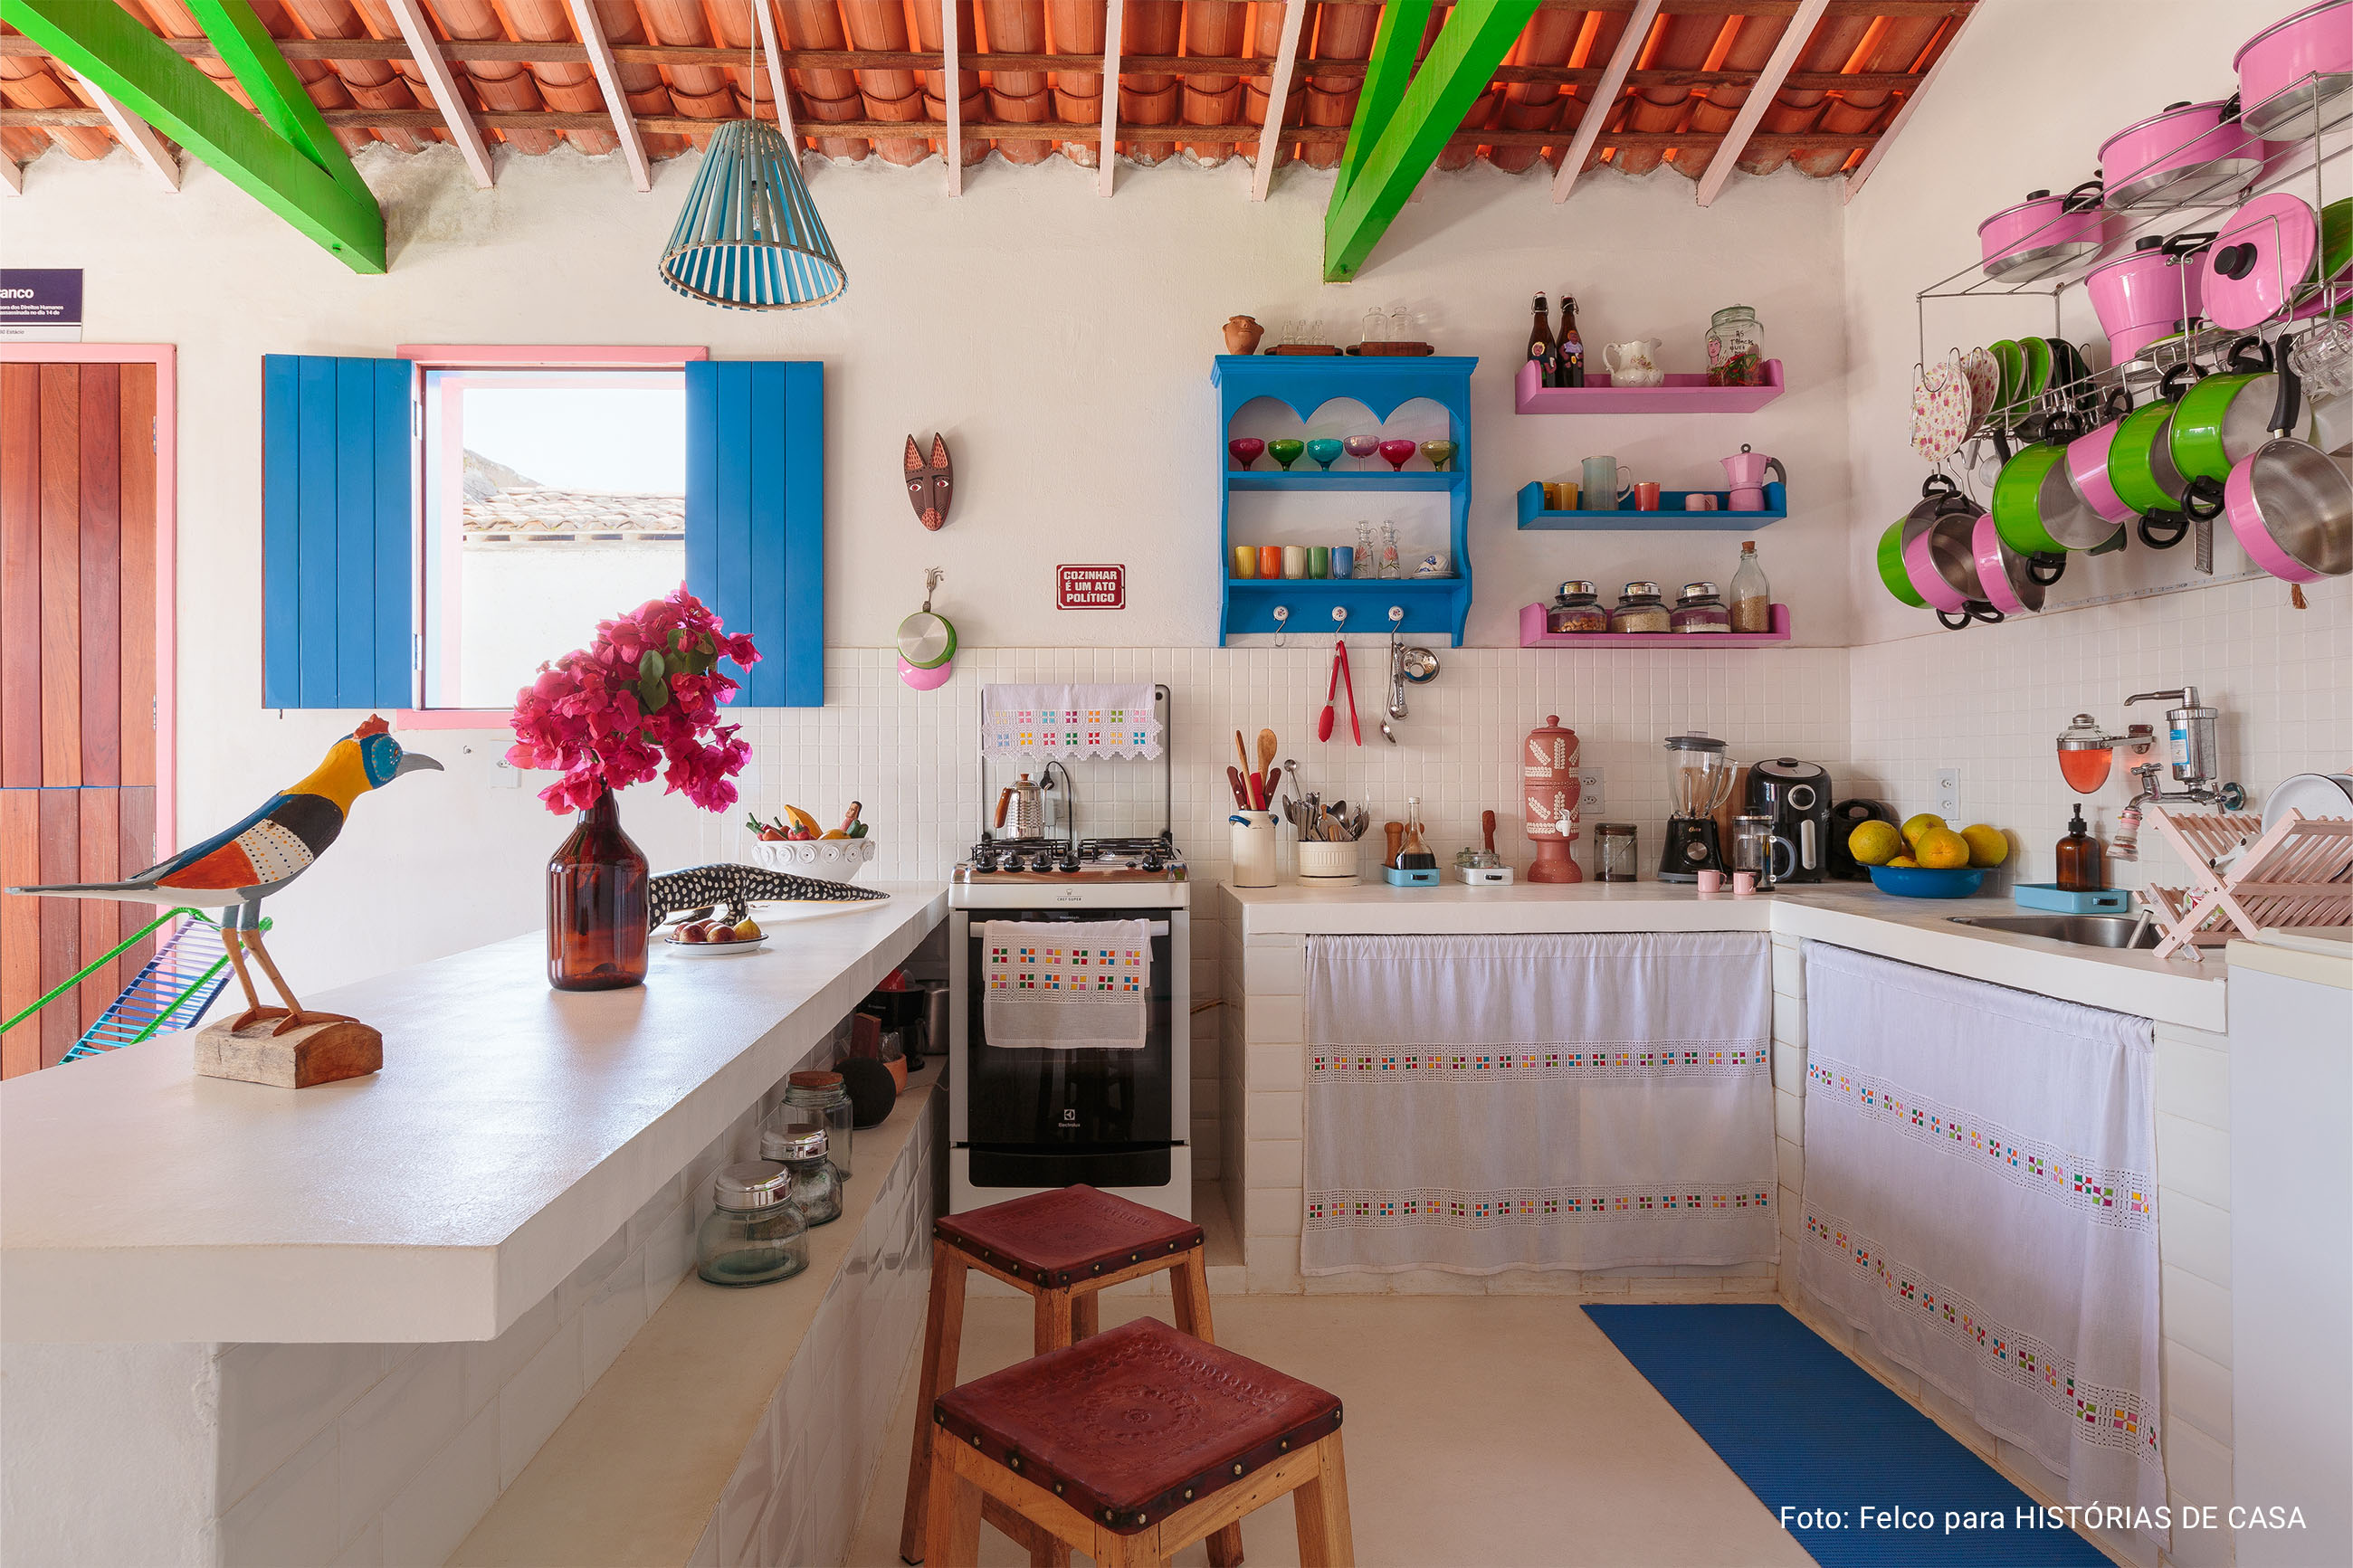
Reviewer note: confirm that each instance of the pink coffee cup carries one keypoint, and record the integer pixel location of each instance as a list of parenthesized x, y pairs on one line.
[(1743, 883), (1700, 500), (1710, 881)]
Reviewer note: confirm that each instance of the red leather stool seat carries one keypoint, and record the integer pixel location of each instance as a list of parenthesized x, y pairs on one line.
[(1136, 1422), (1065, 1237)]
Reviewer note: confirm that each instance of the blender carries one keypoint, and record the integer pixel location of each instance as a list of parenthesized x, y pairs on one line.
[(1701, 782)]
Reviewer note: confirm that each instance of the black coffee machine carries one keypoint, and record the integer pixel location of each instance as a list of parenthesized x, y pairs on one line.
[(1797, 796)]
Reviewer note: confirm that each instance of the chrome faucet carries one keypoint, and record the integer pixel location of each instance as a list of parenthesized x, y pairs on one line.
[(2193, 755)]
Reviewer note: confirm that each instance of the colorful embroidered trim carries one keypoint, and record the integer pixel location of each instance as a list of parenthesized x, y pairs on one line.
[(1343, 1064), (2102, 1417), (2121, 1198), (1047, 971), (1072, 722), (1357, 1208)]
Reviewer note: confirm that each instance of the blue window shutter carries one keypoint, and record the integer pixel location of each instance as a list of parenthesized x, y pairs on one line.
[(338, 531), (756, 516)]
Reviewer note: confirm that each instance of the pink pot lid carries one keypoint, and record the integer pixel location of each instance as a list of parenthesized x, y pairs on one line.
[(2283, 25), (2056, 200), (2285, 238), (2211, 109)]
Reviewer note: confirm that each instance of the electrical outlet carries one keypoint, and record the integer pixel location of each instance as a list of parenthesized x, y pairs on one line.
[(504, 774), (1589, 797), (1948, 794)]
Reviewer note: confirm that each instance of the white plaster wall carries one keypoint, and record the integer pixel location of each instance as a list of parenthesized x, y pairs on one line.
[(1062, 340), (144, 1415)]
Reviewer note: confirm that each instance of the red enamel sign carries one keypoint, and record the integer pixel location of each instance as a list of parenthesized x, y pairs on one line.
[(1090, 587)]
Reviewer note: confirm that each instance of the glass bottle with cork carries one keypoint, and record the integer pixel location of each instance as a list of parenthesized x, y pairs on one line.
[(1544, 352), (1569, 346), (1752, 596)]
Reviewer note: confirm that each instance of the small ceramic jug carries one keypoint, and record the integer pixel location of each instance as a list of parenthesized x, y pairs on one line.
[(1242, 334), (1633, 364)]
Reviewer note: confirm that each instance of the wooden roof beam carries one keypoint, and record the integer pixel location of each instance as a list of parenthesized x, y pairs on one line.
[(616, 102), (309, 182), (1412, 129), (1904, 113), (439, 81), (1778, 66), (1107, 148), (778, 88), (1603, 100), (1278, 97), (952, 95), (135, 135), (11, 176), (1388, 69)]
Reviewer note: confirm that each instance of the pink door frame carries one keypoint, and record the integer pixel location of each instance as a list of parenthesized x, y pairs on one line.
[(517, 356), (164, 357)]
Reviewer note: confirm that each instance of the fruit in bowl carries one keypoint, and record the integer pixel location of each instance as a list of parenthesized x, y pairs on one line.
[(1926, 842), (1926, 882)]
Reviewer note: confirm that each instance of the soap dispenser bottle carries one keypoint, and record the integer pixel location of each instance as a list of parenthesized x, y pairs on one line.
[(2080, 871)]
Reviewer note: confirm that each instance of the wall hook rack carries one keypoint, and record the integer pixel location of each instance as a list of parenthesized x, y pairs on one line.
[(1282, 625)]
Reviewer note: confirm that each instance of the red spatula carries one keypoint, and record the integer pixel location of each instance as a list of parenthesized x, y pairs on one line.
[(1324, 725), (1355, 731)]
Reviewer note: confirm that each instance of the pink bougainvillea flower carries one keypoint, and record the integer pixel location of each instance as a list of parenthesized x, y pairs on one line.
[(584, 715)]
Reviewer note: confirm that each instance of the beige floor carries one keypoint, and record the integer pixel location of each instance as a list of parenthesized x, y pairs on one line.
[(1481, 1430)]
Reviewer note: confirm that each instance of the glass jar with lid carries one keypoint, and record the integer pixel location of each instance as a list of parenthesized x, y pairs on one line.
[(1639, 609), (1699, 608), (801, 1147), (1616, 855), (821, 1092), (1577, 608), (755, 1232), (1735, 347)]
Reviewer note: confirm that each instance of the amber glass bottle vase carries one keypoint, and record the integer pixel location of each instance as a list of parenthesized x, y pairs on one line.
[(597, 905)]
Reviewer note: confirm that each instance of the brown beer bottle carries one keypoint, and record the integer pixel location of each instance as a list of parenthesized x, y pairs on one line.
[(1542, 350), (1570, 346)]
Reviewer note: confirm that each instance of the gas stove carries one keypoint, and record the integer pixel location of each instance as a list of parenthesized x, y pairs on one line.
[(1090, 861)]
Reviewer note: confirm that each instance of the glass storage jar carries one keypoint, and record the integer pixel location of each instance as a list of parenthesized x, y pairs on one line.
[(1615, 853), (800, 1147), (1577, 608), (1699, 608), (1735, 347), (1639, 609), (820, 1091), (755, 1232)]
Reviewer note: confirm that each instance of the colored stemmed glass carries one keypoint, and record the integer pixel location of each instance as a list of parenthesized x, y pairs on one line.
[(1398, 453), (1285, 449), (1246, 449), (1323, 449), (1440, 453), (1360, 446)]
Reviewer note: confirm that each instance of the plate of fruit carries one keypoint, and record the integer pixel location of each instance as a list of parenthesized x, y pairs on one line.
[(717, 938)]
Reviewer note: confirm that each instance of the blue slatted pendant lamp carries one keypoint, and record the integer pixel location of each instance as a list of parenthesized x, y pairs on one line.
[(749, 238)]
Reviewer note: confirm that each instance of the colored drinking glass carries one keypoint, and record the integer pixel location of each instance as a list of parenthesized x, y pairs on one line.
[(1246, 449), (1319, 561), (1245, 560), (1440, 453), (1398, 453), (1323, 449), (1360, 446), (1285, 449), (1270, 559)]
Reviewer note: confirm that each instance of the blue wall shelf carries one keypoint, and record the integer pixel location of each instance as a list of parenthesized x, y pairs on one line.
[(1433, 606), (1672, 514)]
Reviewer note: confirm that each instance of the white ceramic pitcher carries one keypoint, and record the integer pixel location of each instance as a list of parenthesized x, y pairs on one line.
[(1633, 364)]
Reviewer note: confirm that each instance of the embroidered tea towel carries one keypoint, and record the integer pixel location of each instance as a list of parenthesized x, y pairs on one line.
[(1065, 986), (1070, 723), (1484, 1104), (1980, 1198)]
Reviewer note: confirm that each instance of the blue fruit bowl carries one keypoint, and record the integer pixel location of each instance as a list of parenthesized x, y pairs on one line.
[(1920, 882)]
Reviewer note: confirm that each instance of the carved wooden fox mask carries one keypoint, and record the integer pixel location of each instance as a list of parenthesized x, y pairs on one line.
[(930, 484)]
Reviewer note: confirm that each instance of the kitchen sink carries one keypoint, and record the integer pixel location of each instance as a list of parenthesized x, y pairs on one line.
[(2084, 931)]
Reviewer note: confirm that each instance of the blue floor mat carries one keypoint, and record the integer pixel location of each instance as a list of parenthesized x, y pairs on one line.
[(1805, 1429)]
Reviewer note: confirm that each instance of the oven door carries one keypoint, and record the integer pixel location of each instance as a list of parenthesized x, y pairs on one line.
[(1050, 1118)]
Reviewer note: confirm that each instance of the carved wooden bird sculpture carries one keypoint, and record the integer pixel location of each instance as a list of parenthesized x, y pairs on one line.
[(234, 869)]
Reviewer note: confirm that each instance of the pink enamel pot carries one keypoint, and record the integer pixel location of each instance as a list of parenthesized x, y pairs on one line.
[(2152, 292), (2087, 471), (2006, 576), (2296, 77), (2289, 506), (2044, 234), (2186, 152)]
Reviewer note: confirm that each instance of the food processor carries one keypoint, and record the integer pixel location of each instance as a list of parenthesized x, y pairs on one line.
[(1701, 782)]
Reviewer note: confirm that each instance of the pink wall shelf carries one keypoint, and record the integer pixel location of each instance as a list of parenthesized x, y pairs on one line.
[(1532, 634), (1684, 393)]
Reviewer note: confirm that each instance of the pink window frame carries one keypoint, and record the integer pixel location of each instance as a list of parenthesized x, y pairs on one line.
[(518, 356), (165, 358)]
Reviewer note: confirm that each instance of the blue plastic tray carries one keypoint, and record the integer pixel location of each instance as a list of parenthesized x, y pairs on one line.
[(2051, 896), (1420, 878)]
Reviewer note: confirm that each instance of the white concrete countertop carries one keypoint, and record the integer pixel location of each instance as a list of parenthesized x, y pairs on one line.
[(512, 1130), (1912, 931)]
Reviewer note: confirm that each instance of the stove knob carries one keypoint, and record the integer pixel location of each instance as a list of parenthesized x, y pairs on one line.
[(1068, 865), (984, 859), (1151, 860)]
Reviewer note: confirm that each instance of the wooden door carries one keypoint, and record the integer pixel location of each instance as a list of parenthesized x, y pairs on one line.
[(78, 661)]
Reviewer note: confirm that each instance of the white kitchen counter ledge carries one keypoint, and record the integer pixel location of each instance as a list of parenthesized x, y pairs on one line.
[(513, 1130)]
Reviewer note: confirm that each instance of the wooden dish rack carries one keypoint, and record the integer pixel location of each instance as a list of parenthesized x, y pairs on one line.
[(2299, 872)]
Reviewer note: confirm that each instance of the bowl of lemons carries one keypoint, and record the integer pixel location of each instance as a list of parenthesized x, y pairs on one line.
[(1927, 858)]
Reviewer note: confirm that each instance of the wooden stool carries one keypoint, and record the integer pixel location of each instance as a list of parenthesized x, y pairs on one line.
[(1061, 1248), (1134, 1444)]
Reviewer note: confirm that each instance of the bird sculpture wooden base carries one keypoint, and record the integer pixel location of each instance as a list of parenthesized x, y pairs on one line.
[(236, 869)]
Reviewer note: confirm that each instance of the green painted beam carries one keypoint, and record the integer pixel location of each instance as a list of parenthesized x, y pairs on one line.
[(252, 55), (1396, 46), (1460, 61), (148, 77)]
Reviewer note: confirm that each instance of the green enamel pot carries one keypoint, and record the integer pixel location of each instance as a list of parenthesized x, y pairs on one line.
[(2221, 420), (1891, 564), (2140, 459), (2020, 492)]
